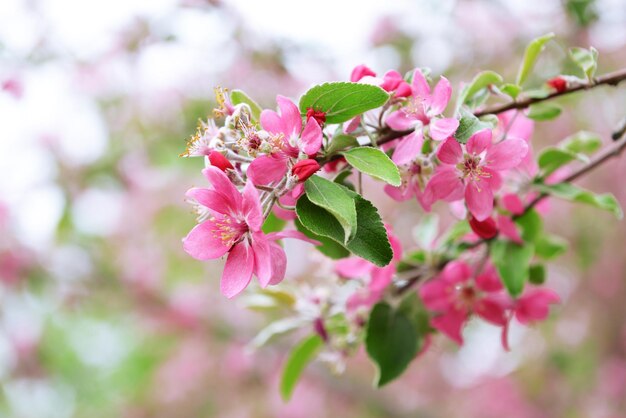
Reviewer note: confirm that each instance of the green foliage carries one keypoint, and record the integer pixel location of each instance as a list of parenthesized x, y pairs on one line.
[(512, 261), (548, 246), (329, 247), (582, 142), (544, 111), (374, 162), (537, 274), (332, 197), (481, 81), (299, 358), (468, 126), (531, 225), (551, 159), (512, 90), (533, 50), (391, 341), (573, 193), (586, 59), (574, 147), (238, 96), (340, 142), (273, 224), (584, 12), (341, 101)]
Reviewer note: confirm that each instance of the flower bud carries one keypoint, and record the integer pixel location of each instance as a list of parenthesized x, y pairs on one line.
[(219, 161), (318, 115), (558, 83), (486, 229), (305, 168), (361, 71)]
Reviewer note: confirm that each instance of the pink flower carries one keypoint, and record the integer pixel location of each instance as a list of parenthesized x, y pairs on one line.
[(380, 277), (290, 140), (455, 294), (423, 106), (534, 305), (394, 82), (474, 173), (361, 71), (234, 227)]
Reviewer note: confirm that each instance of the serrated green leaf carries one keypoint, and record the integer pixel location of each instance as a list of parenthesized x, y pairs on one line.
[(544, 111), (582, 142), (480, 81), (329, 247), (341, 101), (512, 261), (468, 126), (370, 241), (375, 163), (299, 358), (238, 96), (334, 199), (586, 59), (341, 142), (391, 342), (537, 274), (573, 193), (548, 247), (533, 50)]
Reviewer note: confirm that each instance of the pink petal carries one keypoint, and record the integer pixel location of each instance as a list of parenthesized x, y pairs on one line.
[(437, 295), (291, 233), (534, 305), (262, 258), (279, 263), (513, 204), (518, 125), (400, 120), (352, 125), (506, 154), (441, 129), (441, 96), (211, 199), (311, 137), (238, 270), (479, 142), (381, 278), (353, 267), (403, 89), (222, 184), (266, 169), (391, 80), (202, 243), (509, 229), (490, 311), (479, 199), (451, 324), (252, 207), (399, 194), (361, 71), (408, 148), (290, 115), (271, 122), (444, 182), (450, 152), (488, 280), (492, 177), (420, 85), (456, 272)]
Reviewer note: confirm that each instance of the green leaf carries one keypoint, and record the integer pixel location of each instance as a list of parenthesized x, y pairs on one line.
[(374, 162), (512, 262), (341, 142), (573, 193), (537, 274), (531, 225), (273, 224), (548, 247), (544, 111), (552, 159), (329, 247), (480, 81), (332, 197), (582, 142), (299, 358), (586, 59), (341, 101), (370, 241), (512, 90), (238, 97), (468, 126), (391, 341), (533, 50)]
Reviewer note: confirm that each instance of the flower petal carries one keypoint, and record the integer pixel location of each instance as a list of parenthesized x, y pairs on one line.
[(479, 142), (291, 233), (506, 154), (238, 270), (279, 263), (262, 258), (479, 199), (441, 129), (202, 243), (353, 267), (271, 122), (441, 96), (290, 115), (490, 311), (252, 207), (508, 228), (420, 85), (222, 184), (266, 169), (400, 120), (211, 199), (534, 305), (450, 152), (408, 148), (311, 140), (445, 182), (451, 324)]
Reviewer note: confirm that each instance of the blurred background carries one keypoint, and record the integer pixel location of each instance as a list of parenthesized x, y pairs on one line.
[(103, 315)]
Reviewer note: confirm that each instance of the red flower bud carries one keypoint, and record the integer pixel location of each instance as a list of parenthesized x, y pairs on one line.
[(305, 168), (219, 161), (486, 229), (318, 115), (558, 83)]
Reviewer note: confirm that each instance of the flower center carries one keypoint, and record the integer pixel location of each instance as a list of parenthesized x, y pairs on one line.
[(466, 295), (472, 169), (229, 230)]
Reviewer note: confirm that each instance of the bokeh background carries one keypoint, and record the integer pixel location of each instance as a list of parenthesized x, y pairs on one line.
[(103, 315)]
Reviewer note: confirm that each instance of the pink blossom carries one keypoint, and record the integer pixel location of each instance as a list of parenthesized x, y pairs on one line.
[(289, 141), (394, 82), (423, 106), (234, 227), (361, 71), (474, 174), (455, 294), (534, 305)]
